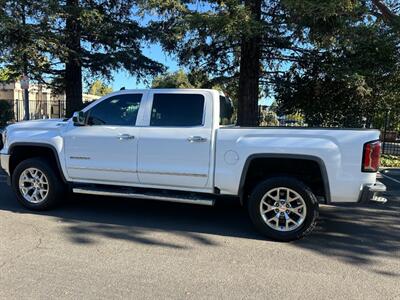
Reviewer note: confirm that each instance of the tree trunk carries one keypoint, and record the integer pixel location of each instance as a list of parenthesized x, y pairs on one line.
[(73, 67), (250, 65)]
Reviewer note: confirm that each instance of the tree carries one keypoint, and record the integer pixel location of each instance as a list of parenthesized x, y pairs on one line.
[(210, 42), (194, 79), (387, 14), (61, 39), (98, 88), (349, 81), (25, 41), (178, 79), (250, 67), (248, 42)]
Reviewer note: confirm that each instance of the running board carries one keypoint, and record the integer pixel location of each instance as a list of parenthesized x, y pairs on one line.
[(179, 198)]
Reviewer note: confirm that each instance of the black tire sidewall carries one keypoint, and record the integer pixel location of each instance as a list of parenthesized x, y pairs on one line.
[(54, 183), (294, 184)]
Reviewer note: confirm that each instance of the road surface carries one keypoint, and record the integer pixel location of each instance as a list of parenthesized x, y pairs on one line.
[(118, 248)]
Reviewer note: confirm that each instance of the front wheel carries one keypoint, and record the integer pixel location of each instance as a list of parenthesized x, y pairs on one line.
[(283, 208), (37, 185)]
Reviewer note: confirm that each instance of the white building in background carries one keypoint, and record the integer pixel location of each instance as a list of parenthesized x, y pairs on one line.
[(43, 104)]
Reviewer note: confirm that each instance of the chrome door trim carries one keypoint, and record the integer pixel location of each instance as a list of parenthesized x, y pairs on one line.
[(101, 169), (173, 174)]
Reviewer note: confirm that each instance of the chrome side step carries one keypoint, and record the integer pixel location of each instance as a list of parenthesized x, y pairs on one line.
[(183, 198)]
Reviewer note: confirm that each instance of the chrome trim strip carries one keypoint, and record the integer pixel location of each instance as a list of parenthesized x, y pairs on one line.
[(173, 174), (79, 157), (142, 172), (101, 170), (208, 202)]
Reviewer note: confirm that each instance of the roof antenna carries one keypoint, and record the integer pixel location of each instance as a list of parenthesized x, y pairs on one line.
[(123, 88)]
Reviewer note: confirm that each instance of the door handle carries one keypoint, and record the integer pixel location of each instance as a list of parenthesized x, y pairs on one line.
[(126, 137), (196, 139)]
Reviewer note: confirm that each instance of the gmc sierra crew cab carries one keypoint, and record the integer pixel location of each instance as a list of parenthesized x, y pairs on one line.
[(177, 145)]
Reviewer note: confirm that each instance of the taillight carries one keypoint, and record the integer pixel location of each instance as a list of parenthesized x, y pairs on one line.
[(371, 156)]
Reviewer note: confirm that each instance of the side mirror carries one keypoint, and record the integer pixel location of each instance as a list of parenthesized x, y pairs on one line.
[(79, 118)]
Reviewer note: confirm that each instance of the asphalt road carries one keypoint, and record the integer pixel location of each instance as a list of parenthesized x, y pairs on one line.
[(117, 248)]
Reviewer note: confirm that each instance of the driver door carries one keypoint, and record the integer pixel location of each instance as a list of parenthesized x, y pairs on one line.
[(105, 150)]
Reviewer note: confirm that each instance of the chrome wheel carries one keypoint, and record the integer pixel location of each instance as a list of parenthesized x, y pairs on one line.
[(33, 185), (283, 209)]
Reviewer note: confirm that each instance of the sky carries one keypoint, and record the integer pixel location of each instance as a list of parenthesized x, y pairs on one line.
[(124, 79)]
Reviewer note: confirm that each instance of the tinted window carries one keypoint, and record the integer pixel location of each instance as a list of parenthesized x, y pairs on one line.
[(225, 111), (177, 110), (119, 110)]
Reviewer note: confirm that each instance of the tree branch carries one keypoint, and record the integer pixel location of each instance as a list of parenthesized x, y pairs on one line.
[(387, 14)]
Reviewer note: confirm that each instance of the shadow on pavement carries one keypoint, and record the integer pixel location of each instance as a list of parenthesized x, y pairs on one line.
[(354, 234)]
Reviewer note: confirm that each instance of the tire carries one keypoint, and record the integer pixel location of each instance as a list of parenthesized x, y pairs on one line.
[(49, 195), (283, 223)]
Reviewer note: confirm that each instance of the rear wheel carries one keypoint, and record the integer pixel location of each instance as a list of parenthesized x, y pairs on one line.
[(283, 208), (37, 185)]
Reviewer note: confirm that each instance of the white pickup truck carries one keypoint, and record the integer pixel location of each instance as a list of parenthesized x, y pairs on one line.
[(169, 145)]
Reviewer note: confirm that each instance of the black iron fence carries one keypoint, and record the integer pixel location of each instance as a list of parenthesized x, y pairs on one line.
[(388, 122), (391, 133), (39, 109)]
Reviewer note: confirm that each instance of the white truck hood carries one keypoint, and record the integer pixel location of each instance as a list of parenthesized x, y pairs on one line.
[(38, 131), (38, 125)]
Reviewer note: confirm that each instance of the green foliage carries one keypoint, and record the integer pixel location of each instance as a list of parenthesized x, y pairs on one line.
[(25, 40), (290, 33), (335, 62), (5, 75), (296, 119), (268, 118), (323, 99), (177, 79), (99, 88), (195, 79), (41, 37), (6, 113), (323, 19), (350, 83), (390, 161), (206, 39)]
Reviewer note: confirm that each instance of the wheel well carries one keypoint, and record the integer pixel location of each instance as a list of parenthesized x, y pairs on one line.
[(310, 171), (23, 152)]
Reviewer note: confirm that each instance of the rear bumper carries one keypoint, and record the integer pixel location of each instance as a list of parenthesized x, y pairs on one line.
[(369, 192), (5, 162)]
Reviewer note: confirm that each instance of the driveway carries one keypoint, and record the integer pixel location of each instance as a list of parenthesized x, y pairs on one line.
[(117, 248)]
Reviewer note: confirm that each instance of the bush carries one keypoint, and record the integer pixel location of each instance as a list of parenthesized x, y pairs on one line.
[(390, 161), (268, 118), (6, 113)]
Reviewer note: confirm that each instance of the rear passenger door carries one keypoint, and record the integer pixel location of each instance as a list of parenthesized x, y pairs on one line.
[(175, 145)]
